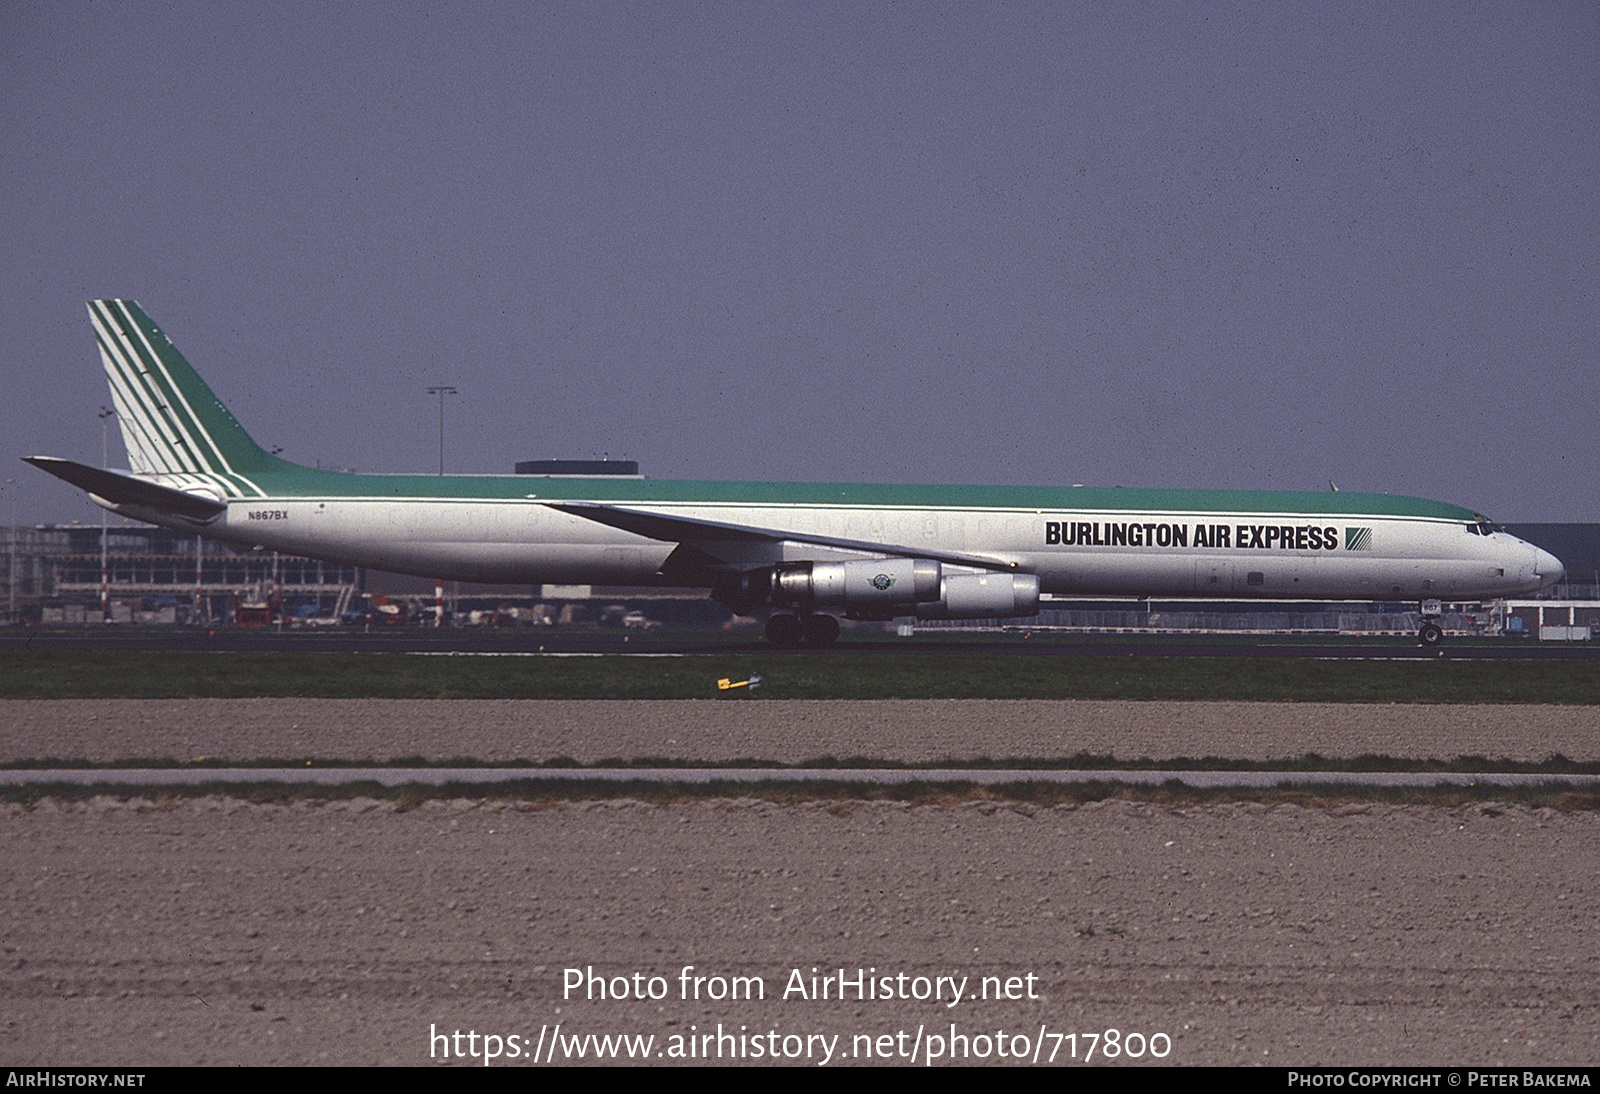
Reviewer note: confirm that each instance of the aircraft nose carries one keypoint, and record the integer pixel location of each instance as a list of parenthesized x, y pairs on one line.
[(1547, 567)]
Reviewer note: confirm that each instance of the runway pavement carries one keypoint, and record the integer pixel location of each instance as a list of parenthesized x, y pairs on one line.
[(772, 732)]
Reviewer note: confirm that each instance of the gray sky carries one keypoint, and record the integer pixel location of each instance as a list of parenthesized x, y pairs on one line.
[(1257, 246)]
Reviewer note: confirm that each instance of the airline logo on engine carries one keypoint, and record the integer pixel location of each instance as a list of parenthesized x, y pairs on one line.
[(883, 583), (1249, 537)]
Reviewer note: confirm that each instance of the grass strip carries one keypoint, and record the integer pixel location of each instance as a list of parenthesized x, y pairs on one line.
[(132, 674)]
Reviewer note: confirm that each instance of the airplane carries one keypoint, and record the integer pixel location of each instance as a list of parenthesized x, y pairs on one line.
[(809, 551)]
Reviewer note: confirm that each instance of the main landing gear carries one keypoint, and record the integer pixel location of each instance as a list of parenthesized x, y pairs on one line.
[(790, 630), (1430, 633)]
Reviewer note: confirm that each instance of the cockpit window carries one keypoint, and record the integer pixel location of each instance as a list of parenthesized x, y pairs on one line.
[(1483, 526)]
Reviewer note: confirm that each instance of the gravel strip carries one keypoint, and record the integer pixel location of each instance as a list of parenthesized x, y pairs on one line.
[(214, 932)]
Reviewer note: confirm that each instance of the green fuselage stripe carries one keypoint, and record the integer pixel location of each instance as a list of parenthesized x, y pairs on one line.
[(309, 483)]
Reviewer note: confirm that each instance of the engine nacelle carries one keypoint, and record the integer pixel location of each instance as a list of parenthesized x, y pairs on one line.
[(984, 596), (868, 587)]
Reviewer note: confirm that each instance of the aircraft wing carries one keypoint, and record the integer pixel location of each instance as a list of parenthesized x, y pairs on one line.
[(120, 489), (704, 533)]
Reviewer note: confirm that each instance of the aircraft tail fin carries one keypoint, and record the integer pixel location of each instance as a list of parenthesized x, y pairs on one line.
[(172, 423)]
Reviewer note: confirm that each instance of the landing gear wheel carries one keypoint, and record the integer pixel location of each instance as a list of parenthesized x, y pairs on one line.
[(1431, 634), (821, 630), (784, 630)]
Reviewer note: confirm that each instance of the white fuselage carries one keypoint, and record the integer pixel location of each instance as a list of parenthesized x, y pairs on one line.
[(1090, 553)]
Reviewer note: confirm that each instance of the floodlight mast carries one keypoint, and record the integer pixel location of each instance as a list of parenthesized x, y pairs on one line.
[(442, 390)]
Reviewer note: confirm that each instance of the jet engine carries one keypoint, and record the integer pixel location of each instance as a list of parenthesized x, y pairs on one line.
[(885, 588), (872, 587), (983, 596)]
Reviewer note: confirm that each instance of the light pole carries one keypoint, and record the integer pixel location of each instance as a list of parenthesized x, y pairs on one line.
[(106, 414), (11, 570), (442, 390)]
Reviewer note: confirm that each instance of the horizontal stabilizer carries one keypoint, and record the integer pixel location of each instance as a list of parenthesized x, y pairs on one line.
[(120, 489), (684, 530)]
